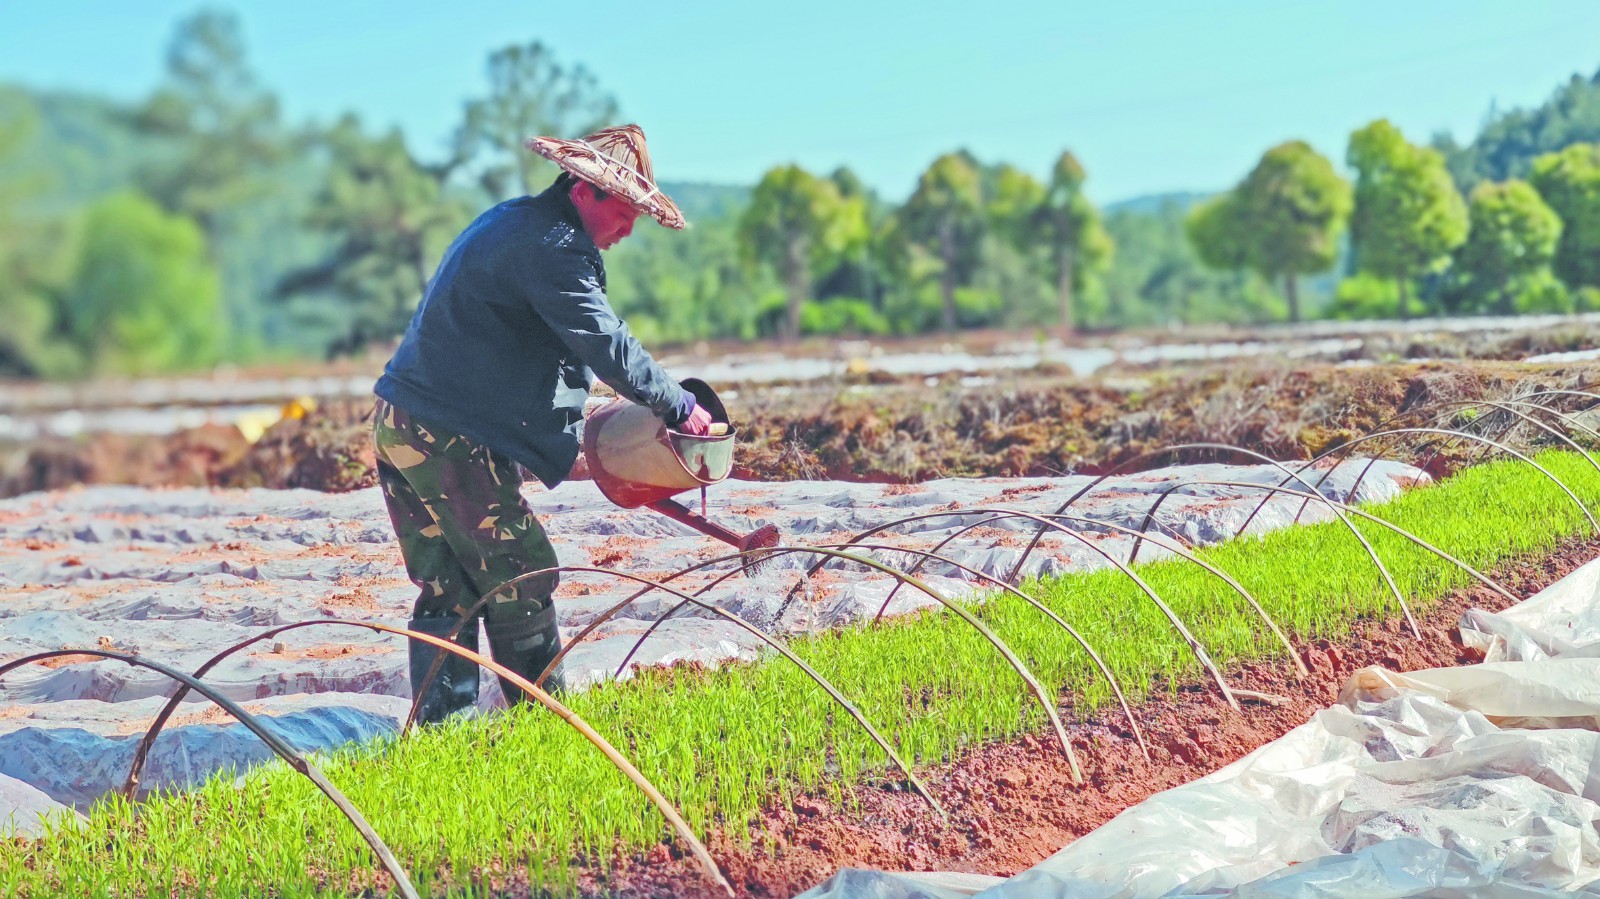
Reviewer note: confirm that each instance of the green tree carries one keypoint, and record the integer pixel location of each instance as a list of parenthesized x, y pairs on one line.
[(1408, 214), (31, 253), (1012, 200), (858, 273), (1008, 282), (1363, 296), (798, 224), (1217, 234), (1067, 225), (145, 297), (946, 214), (390, 222), (675, 285), (1513, 236), (1289, 212), (1216, 237), (225, 143), (530, 94), (224, 125), (1569, 181), (1510, 142)]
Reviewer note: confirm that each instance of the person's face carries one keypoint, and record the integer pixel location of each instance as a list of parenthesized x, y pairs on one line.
[(608, 221)]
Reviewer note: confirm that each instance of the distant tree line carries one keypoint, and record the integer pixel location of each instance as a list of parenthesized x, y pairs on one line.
[(165, 269), (198, 226), (1510, 246), (973, 245)]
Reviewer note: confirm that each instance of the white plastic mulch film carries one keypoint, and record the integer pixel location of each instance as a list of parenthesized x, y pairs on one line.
[(176, 575), (1482, 780)]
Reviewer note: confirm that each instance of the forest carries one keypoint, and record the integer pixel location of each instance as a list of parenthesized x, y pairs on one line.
[(199, 226)]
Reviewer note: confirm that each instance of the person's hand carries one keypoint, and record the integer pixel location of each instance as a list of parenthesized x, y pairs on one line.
[(698, 423)]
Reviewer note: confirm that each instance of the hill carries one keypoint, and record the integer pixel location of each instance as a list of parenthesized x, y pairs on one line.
[(703, 202), (1155, 204)]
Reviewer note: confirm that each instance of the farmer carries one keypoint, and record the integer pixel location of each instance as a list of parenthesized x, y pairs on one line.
[(489, 384)]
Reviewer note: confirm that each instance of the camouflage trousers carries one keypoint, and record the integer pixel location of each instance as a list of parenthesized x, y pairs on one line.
[(463, 526)]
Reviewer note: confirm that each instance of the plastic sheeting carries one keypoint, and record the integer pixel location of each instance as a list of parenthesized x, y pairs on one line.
[(27, 811), (74, 751), (176, 575), (1482, 780)]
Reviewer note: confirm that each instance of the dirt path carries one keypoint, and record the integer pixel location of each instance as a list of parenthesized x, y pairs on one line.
[(1012, 804)]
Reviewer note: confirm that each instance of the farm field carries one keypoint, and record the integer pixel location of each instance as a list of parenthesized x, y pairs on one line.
[(1177, 477), (726, 746)]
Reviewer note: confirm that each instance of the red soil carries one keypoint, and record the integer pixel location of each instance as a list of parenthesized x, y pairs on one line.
[(105, 643), (612, 551), (1013, 803)]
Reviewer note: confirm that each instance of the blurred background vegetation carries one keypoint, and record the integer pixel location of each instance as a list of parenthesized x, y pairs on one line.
[(197, 226)]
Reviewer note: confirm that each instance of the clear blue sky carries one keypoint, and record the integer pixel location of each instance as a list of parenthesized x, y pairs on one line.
[(1152, 96)]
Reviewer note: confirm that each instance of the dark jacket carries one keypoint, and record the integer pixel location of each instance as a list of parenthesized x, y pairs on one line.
[(511, 333)]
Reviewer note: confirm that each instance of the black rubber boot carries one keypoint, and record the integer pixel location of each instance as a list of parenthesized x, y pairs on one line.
[(526, 645), (455, 686)]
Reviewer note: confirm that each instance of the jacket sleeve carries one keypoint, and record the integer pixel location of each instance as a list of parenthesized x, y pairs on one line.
[(575, 307)]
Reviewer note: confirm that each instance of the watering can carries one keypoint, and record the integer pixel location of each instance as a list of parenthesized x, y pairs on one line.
[(636, 460)]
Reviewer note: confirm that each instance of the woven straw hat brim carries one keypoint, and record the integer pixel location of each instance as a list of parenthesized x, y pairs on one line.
[(611, 176)]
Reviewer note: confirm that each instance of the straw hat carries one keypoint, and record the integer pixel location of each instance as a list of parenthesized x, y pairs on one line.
[(616, 161)]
